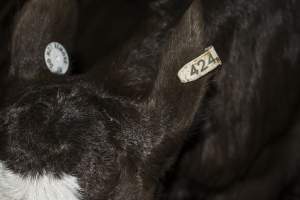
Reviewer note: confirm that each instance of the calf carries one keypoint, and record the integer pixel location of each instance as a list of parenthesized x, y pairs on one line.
[(100, 135)]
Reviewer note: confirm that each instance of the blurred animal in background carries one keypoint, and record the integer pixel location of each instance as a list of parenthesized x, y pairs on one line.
[(119, 124)]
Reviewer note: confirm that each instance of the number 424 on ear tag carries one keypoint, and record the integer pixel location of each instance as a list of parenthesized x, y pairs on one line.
[(200, 66)]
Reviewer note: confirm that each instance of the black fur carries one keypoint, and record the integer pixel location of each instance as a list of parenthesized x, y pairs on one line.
[(125, 119), (244, 144)]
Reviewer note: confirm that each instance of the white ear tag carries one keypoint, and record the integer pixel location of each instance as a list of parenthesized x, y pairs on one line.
[(200, 66), (56, 58)]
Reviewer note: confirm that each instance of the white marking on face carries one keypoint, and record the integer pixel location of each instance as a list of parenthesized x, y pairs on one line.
[(46, 187)]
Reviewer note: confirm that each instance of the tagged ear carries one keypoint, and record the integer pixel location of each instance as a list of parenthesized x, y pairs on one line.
[(40, 23), (172, 104), (183, 73)]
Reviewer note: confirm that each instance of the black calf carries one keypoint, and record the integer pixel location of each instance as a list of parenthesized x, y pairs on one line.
[(121, 125)]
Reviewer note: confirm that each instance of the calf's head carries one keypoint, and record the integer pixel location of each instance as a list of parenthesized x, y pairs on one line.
[(78, 137)]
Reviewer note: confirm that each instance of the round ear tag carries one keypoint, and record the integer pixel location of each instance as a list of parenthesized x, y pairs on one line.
[(56, 58)]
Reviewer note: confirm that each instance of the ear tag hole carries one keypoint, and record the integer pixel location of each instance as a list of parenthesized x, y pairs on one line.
[(56, 58)]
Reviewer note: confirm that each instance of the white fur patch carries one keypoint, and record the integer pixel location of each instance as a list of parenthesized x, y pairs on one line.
[(46, 187)]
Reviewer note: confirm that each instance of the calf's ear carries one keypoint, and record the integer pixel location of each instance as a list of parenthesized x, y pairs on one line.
[(40, 23), (173, 102), (183, 71)]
